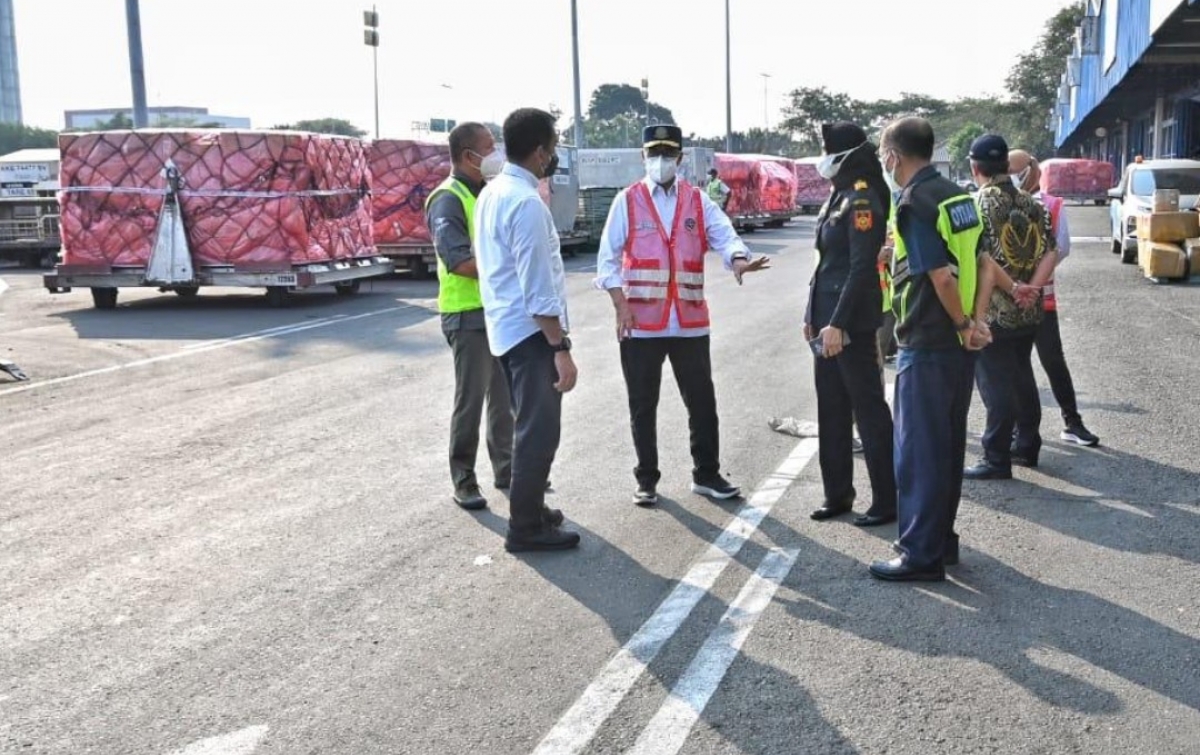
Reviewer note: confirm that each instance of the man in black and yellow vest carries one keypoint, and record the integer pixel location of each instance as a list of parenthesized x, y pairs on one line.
[(449, 212), (934, 278)]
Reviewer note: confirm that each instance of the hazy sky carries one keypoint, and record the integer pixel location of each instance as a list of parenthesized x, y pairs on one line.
[(282, 60)]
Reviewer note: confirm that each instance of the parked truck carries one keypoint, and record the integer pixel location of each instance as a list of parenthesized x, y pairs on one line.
[(29, 229)]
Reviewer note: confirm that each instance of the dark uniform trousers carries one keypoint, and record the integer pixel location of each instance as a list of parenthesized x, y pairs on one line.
[(932, 397), (642, 362), (478, 377), (850, 388), (1050, 354), (1010, 394), (537, 405)]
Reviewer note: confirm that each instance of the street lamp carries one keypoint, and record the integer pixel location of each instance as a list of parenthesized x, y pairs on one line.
[(728, 88), (646, 97), (766, 118), (371, 39), (575, 62), (137, 69)]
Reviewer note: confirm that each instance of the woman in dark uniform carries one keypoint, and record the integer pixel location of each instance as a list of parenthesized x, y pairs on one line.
[(845, 308)]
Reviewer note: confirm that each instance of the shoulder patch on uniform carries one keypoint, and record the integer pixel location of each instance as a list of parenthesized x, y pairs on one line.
[(864, 220), (860, 185), (963, 214)]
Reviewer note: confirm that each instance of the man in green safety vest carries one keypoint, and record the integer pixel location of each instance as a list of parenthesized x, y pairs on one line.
[(717, 190), (478, 376)]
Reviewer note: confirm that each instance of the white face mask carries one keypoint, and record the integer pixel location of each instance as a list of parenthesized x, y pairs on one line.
[(831, 164), (491, 165), (1020, 178), (661, 170), (890, 177)]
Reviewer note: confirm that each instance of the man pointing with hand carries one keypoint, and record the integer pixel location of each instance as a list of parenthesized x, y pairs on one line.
[(651, 263)]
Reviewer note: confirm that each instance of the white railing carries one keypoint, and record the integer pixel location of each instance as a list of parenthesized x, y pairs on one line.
[(32, 230)]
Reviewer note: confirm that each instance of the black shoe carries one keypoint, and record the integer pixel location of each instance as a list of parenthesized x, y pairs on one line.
[(830, 509), (545, 539), (1079, 435), (1024, 460), (552, 517), (645, 496), (469, 498), (949, 555), (716, 487), (873, 520), (506, 484), (985, 470), (898, 570)]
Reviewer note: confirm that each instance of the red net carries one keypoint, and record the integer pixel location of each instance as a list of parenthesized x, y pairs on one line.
[(1077, 178), (404, 173), (758, 185), (811, 189), (251, 199)]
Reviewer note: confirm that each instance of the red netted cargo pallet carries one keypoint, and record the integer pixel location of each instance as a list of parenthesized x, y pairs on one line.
[(1078, 179), (404, 173), (811, 189), (250, 199), (760, 186), (776, 186)]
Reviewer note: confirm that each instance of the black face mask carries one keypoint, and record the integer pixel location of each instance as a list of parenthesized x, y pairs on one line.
[(552, 166)]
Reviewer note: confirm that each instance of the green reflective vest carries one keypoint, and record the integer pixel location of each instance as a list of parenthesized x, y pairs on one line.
[(456, 293), (959, 226), (714, 190)]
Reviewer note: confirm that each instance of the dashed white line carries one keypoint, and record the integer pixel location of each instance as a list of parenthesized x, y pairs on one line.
[(241, 742), (578, 726), (669, 728), (204, 347)]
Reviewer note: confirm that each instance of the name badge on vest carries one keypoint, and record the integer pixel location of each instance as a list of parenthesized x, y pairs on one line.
[(963, 215), (646, 225)]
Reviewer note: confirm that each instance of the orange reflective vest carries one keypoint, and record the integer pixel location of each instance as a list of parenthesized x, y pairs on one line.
[(1054, 205), (662, 271)]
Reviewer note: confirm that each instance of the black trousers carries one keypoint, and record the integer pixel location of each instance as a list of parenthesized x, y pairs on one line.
[(1010, 393), (478, 378), (642, 362), (537, 405), (849, 388), (1054, 362)]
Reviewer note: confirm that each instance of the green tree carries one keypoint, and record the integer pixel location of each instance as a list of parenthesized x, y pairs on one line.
[(755, 141), (15, 136), (812, 106), (959, 145), (612, 100), (325, 126), (1033, 81)]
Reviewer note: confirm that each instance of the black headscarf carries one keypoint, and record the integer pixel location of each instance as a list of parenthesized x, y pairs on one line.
[(860, 165)]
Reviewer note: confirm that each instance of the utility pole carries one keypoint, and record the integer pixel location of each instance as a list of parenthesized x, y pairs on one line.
[(579, 136), (137, 69), (728, 88), (646, 98), (371, 39), (766, 118)]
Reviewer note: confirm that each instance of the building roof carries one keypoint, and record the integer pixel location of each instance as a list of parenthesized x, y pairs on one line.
[(47, 155)]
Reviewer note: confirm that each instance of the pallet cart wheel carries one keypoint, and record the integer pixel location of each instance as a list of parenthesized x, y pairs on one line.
[(277, 296), (104, 298), (347, 288)]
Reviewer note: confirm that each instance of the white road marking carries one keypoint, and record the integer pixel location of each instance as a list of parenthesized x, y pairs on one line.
[(580, 723), (204, 347), (1091, 239), (241, 742), (669, 728), (3, 286)]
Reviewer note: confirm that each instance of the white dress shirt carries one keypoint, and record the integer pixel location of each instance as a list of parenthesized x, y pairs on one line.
[(520, 264), (722, 238)]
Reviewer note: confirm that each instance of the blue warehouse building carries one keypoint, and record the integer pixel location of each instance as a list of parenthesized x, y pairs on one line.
[(1132, 83)]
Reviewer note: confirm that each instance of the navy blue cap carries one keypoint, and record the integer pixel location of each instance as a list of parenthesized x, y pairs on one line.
[(662, 134), (989, 148)]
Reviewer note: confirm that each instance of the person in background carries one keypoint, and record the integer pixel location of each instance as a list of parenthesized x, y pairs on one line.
[(717, 190), (1017, 235), (523, 287), (1027, 174), (651, 263), (478, 376), (843, 316)]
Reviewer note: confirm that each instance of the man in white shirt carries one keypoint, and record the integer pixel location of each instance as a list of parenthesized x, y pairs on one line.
[(651, 263), (523, 287), (1027, 175)]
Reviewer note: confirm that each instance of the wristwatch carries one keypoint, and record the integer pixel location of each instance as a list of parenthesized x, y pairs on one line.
[(563, 345), (740, 256), (964, 325)]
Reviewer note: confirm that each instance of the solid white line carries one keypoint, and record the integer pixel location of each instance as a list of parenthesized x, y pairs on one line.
[(241, 742), (3, 286), (669, 728), (1090, 239), (580, 723), (202, 348)]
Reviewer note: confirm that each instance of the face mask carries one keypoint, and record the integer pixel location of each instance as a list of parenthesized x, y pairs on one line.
[(660, 170), (831, 164), (890, 177), (491, 165), (551, 167), (1019, 179)]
